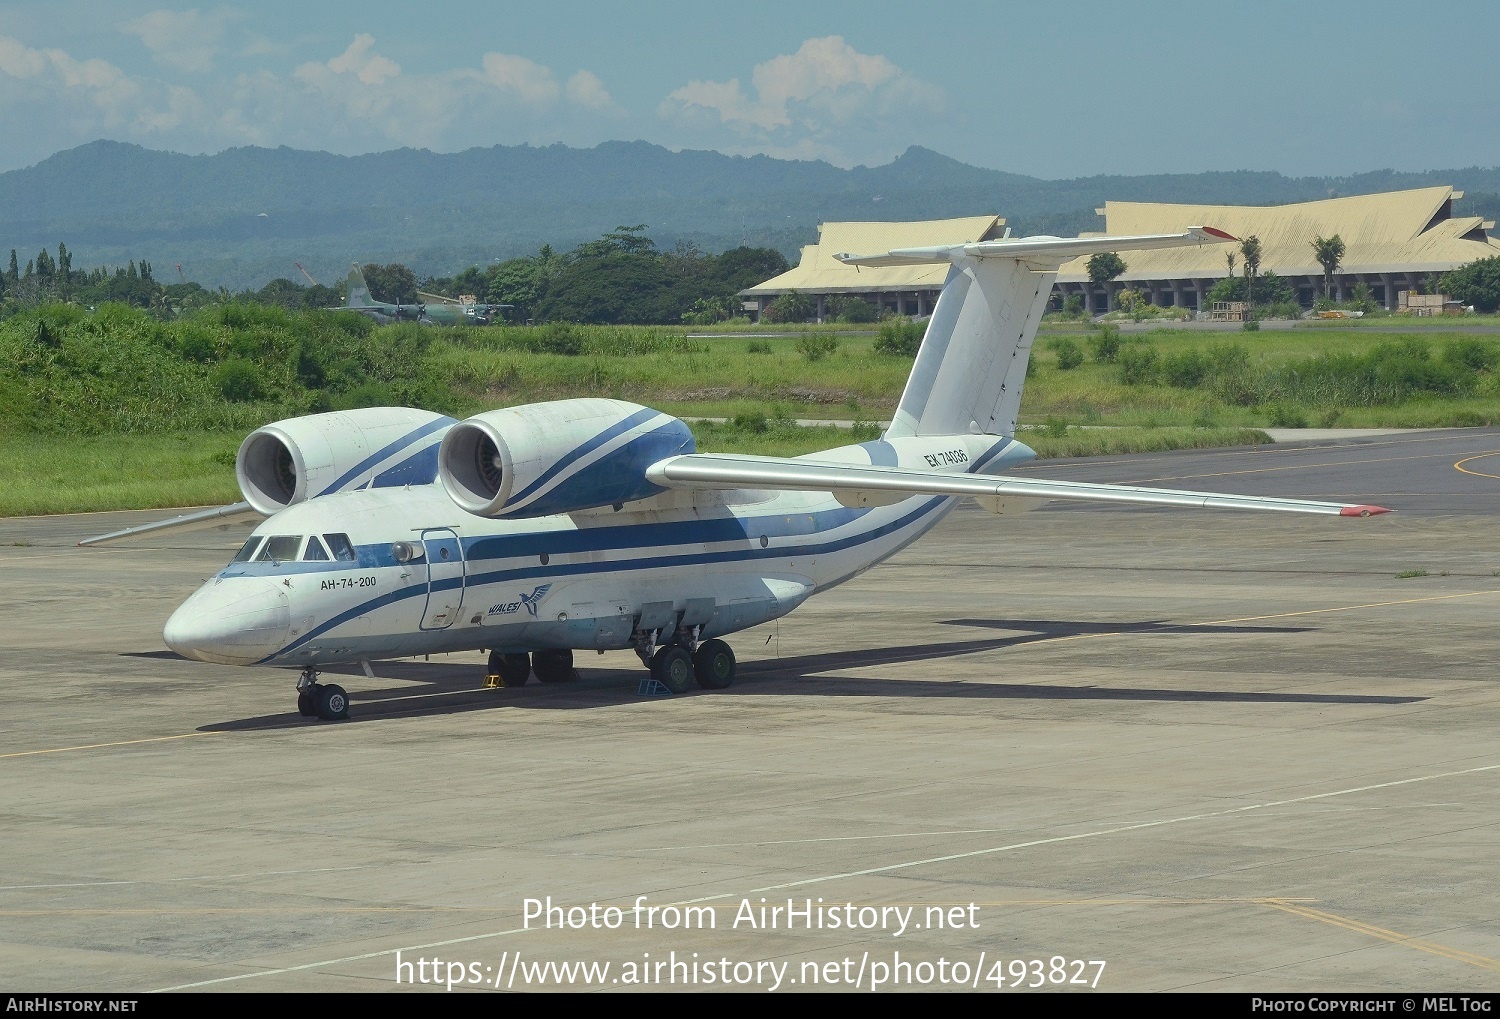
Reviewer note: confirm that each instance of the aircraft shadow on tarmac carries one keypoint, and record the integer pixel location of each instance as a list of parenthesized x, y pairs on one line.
[(440, 688)]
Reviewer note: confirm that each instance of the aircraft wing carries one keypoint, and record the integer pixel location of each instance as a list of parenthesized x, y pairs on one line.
[(1053, 251), (222, 517), (723, 470)]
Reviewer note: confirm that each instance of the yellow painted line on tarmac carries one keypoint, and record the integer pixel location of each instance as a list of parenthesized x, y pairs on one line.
[(1478, 474), (121, 743), (1370, 930)]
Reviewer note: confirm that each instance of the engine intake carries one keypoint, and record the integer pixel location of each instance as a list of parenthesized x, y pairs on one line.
[(557, 457), (294, 460)]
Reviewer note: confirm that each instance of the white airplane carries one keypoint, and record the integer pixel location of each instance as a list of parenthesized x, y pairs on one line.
[(539, 530)]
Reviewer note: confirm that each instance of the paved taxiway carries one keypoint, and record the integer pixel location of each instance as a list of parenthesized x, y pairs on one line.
[(1217, 750)]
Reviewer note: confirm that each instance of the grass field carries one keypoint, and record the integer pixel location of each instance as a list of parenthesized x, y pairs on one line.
[(63, 474), (183, 455)]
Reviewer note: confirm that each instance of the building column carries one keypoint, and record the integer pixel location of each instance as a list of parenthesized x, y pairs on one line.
[(1389, 282)]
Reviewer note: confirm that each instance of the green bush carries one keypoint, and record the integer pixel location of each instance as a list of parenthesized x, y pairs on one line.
[(238, 380), (1069, 354), (900, 337), (1104, 344), (1138, 364), (1472, 355), (816, 346), (853, 309), (1185, 369), (751, 421), (1286, 416), (1250, 325), (758, 347)]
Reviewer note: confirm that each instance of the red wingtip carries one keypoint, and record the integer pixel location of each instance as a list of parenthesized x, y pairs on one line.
[(1219, 233), (1362, 511)]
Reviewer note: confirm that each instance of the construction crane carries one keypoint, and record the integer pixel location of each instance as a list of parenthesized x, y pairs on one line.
[(307, 274)]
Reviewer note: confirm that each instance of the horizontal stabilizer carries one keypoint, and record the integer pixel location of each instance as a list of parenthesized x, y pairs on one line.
[(222, 517), (1049, 251), (721, 470)]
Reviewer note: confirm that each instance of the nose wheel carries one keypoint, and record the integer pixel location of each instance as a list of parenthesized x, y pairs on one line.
[(327, 701)]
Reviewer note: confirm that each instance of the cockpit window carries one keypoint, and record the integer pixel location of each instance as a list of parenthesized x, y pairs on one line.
[(247, 550), (280, 548), (314, 552), (339, 545)]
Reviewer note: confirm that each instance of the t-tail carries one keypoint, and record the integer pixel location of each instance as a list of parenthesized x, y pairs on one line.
[(971, 366)]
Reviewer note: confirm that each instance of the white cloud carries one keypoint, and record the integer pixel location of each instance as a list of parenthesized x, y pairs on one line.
[(819, 102), (359, 60), (357, 100), (525, 79), (182, 40), (585, 89)]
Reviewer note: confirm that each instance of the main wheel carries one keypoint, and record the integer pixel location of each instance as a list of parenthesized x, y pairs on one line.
[(513, 670), (553, 666), (673, 668), (713, 665), (332, 702), (307, 702)]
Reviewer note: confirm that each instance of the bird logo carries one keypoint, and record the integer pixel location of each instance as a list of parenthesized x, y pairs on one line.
[(530, 600)]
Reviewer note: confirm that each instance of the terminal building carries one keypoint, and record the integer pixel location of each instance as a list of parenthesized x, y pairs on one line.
[(1392, 242)]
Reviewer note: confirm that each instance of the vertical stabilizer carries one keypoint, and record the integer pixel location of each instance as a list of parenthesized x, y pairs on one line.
[(972, 363), (971, 367), (358, 292)]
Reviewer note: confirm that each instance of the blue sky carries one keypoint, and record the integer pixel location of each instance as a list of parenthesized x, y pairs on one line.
[(1054, 90)]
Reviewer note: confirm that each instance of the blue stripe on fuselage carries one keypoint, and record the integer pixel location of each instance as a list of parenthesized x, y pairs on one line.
[(742, 528)]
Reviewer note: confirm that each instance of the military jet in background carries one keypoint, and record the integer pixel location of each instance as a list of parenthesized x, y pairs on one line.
[(435, 310)]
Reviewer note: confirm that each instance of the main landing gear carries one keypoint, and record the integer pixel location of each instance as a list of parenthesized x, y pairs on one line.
[(675, 665), (326, 701), (515, 669)]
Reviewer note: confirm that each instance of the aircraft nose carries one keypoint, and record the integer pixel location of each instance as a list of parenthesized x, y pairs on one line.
[(233, 621)]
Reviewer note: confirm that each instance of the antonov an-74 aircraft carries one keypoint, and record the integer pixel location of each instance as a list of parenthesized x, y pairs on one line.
[(539, 530)]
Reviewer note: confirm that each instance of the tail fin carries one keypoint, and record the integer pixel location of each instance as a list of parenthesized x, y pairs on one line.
[(358, 295), (971, 366)]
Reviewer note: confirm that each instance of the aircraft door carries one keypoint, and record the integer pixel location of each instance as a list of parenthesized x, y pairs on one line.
[(445, 578)]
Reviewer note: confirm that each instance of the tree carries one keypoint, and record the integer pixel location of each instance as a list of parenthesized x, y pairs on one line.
[(1271, 288), (1329, 251), (1105, 266), (391, 284), (1229, 259), (1250, 251), (1477, 283), (789, 307)]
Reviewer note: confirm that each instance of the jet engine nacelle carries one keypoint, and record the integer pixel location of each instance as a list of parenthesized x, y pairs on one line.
[(557, 457), (375, 447)]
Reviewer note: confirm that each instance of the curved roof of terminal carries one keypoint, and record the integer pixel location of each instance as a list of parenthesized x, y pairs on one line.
[(820, 273), (1397, 231)]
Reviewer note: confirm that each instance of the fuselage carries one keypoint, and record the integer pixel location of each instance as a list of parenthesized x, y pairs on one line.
[(397, 572)]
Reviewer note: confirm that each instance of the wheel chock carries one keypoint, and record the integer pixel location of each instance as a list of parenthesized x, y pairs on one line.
[(492, 681), (652, 688)]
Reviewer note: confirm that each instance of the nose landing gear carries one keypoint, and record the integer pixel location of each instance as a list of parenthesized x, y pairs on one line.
[(326, 701)]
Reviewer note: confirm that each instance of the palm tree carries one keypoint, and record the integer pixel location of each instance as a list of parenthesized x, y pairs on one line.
[(1250, 251), (1329, 251), (1229, 259)]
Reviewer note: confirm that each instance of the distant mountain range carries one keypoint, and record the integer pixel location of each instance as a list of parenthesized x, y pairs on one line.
[(241, 217)]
